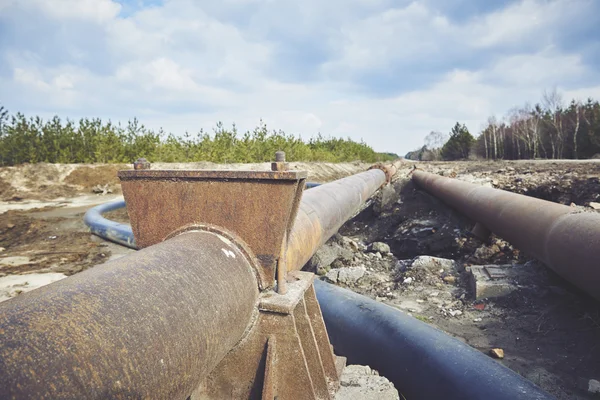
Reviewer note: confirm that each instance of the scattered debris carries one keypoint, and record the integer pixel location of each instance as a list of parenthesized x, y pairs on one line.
[(347, 275), (362, 382), (450, 279), (491, 281), (379, 247), (433, 263), (102, 189), (497, 353), (593, 386)]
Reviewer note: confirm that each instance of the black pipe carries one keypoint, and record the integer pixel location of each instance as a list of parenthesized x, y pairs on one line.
[(421, 361)]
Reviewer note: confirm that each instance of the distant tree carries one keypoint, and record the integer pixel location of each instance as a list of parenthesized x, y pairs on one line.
[(30, 140), (459, 144), (434, 142)]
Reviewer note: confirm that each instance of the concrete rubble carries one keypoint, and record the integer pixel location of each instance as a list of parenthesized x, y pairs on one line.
[(489, 281), (362, 382)]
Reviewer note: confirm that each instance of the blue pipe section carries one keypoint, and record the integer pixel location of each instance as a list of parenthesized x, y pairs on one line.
[(421, 361), (107, 229)]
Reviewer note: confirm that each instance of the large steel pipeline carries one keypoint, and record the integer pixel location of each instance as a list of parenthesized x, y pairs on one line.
[(149, 325), (565, 239)]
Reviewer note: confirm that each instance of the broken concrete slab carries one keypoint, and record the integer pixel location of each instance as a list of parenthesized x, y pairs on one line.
[(351, 275), (361, 382), (347, 275), (491, 280)]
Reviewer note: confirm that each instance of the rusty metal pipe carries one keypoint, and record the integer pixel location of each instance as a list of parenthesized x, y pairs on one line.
[(148, 325), (566, 240), (324, 209)]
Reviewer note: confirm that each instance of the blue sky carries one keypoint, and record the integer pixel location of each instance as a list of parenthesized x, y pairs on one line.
[(388, 72)]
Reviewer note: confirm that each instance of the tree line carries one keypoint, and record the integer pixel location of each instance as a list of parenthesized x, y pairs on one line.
[(91, 140), (549, 129)]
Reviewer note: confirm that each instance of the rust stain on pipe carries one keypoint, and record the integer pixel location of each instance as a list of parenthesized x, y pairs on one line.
[(148, 325), (566, 240)]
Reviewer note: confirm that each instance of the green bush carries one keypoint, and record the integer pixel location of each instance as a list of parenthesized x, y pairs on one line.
[(31, 140)]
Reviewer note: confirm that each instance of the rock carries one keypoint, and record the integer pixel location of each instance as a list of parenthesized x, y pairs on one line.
[(378, 255), (2, 249), (490, 281), (433, 264), (477, 320), (99, 189), (327, 254), (407, 281), (486, 253), (323, 271), (350, 275), (332, 275), (345, 255), (379, 247), (594, 205), (361, 382), (10, 226), (593, 386), (450, 279), (353, 245), (455, 313), (497, 353)]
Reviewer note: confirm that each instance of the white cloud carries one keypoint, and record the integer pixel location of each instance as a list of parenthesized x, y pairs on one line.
[(98, 11), (185, 65)]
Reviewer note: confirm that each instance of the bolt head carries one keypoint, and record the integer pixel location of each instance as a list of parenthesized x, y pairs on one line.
[(280, 156)]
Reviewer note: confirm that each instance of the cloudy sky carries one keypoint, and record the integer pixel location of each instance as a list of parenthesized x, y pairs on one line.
[(385, 71)]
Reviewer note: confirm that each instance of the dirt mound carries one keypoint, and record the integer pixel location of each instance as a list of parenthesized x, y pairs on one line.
[(7, 192), (90, 176)]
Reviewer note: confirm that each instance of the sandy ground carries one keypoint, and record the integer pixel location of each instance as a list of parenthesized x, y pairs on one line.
[(547, 329)]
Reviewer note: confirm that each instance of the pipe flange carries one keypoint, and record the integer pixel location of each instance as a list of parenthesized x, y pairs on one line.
[(234, 240)]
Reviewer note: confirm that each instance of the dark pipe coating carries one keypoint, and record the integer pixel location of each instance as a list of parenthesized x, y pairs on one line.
[(421, 361)]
